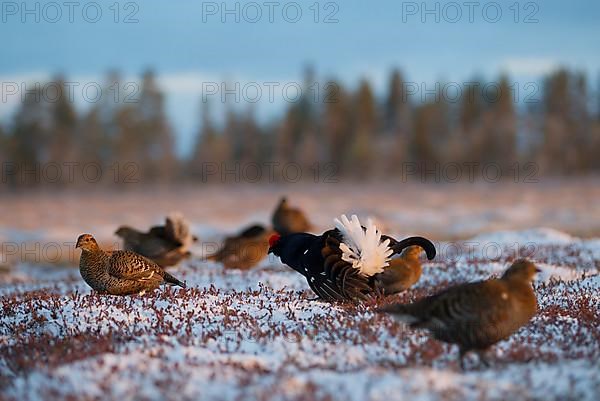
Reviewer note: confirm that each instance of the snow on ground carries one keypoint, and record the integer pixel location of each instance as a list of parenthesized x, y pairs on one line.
[(259, 335)]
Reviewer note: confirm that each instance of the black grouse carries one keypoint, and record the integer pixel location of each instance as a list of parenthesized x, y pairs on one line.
[(343, 263)]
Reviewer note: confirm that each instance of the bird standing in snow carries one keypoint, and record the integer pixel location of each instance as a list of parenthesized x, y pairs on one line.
[(119, 272), (244, 250), (288, 220), (345, 263), (402, 273), (475, 315), (165, 245)]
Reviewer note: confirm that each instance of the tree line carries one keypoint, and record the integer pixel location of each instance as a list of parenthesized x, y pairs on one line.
[(348, 133)]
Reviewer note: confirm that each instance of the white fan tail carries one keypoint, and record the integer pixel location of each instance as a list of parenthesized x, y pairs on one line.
[(178, 229), (363, 248)]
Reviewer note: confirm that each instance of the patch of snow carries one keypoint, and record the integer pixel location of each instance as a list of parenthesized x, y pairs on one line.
[(540, 236), (259, 334)]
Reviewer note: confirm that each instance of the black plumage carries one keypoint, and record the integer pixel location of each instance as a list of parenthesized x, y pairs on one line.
[(319, 259)]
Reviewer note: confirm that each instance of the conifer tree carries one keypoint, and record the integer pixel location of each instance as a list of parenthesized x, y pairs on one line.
[(154, 134), (336, 125), (30, 138), (365, 128), (397, 126)]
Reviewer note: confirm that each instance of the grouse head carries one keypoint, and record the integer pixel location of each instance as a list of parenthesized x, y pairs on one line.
[(87, 243), (412, 252), (521, 270), (124, 231)]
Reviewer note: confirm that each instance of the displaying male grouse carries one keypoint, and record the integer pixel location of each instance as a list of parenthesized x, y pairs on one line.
[(119, 272), (244, 250), (475, 315), (345, 263), (288, 220), (165, 245)]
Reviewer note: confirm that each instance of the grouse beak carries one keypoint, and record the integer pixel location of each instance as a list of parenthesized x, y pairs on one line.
[(78, 245), (538, 270)]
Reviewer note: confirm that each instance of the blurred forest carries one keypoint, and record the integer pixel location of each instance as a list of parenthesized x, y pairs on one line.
[(361, 135)]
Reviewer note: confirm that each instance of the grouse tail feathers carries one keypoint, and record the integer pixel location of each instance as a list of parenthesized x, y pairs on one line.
[(424, 243), (351, 283), (403, 312), (177, 228), (172, 280), (364, 248)]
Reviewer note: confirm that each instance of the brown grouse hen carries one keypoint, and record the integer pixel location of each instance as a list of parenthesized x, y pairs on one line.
[(475, 315), (166, 245), (288, 220), (244, 250), (119, 272)]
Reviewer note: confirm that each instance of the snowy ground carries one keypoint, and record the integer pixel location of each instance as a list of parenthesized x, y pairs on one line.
[(235, 335)]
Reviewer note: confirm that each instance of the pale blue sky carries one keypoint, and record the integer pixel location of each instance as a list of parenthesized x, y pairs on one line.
[(367, 41)]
